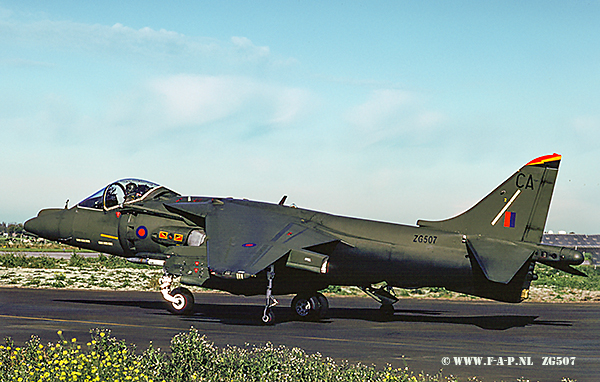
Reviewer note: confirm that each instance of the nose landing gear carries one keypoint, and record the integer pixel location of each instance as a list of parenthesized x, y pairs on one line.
[(268, 315), (180, 300)]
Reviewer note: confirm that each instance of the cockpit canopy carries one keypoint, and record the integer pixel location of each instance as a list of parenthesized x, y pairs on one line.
[(122, 192)]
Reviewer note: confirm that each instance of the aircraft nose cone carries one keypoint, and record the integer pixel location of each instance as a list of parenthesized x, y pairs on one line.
[(33, 225), (49, 224)]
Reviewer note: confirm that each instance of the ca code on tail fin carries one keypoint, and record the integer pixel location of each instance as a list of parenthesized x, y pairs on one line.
[(515, 211)]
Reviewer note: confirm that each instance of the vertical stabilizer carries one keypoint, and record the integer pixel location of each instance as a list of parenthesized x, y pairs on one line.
[(516, 210)]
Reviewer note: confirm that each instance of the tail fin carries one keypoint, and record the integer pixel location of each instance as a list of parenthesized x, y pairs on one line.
[(516, 210)]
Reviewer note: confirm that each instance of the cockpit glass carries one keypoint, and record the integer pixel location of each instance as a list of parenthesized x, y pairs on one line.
[(94, 201), (135, 189), (118, 193)]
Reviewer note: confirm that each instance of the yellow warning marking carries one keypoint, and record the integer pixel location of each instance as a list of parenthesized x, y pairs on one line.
[(109, 236)]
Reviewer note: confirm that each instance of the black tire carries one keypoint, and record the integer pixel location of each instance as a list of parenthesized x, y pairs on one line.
[(323, 310), (310, 307), (185, 303), (301, 306), (269, 318)]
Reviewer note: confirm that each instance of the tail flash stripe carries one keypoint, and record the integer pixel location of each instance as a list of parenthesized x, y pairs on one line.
[(514, 197), (544, 159)]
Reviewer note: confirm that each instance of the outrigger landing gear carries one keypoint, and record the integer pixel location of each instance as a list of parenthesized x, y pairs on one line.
[(268, 315), (180, 300), (383, 295)]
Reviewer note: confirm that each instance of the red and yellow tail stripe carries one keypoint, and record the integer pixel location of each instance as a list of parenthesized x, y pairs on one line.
[(543, 160)]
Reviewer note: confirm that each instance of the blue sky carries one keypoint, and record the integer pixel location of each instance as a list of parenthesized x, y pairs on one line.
[(391, 111)]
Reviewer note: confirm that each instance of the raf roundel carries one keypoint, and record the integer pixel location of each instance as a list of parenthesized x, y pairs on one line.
[(248, 245), (141, 232)]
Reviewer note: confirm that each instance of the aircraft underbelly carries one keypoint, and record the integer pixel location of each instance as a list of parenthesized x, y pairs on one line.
[(410, 257), (438, 267)]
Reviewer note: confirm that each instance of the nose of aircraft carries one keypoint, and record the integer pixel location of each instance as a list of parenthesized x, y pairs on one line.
[(51, 224)]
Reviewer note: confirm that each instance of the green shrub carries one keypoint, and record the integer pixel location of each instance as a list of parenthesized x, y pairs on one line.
[(77, 260), (192, 358), (10, 260), (548, 276)]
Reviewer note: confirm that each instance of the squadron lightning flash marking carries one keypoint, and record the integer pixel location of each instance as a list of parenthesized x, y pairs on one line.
[(252, 248)]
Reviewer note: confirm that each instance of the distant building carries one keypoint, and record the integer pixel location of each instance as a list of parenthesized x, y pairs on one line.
[(584, 243)]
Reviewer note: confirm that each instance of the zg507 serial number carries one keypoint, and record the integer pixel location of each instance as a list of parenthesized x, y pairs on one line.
[(425, 239), (558, 361)]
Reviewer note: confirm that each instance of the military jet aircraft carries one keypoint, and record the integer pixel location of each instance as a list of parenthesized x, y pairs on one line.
[(252, 248)]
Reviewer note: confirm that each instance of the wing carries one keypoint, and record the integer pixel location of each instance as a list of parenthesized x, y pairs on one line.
[(243, 237)]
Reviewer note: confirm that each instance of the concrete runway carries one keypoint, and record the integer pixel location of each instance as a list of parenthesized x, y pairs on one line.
[(419, 335)]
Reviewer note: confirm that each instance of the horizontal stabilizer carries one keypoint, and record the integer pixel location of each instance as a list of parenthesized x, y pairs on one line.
[(566, 268), (500, 260)]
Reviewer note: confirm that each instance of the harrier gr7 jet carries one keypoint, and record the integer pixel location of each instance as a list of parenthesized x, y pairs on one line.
[(252, 248)]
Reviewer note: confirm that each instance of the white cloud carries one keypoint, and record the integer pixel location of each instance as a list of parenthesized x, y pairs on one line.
[(382, 106), (122, 39), (290, 104), (586, 126), (390, 114), (102, 38), (185, 100), (251, 50), (189, 99), (24, 63), (163, 109)]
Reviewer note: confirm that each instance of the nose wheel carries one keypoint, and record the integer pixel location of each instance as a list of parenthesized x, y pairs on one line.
[(180, 300)]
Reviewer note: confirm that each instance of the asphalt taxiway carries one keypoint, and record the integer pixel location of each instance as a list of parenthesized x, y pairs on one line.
[(420, 335)]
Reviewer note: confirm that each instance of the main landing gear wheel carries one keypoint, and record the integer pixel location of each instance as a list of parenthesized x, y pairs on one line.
[(182, 301), (310, 307)]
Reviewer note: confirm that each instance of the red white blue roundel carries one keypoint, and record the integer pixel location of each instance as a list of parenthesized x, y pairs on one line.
[(248, 245), (141, 232)]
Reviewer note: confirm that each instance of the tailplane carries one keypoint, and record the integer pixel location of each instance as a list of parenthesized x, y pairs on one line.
[(515, 211)]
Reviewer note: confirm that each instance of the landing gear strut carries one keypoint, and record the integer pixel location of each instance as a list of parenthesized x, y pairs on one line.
[(383, 295), (268, 315), (180, 300)]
